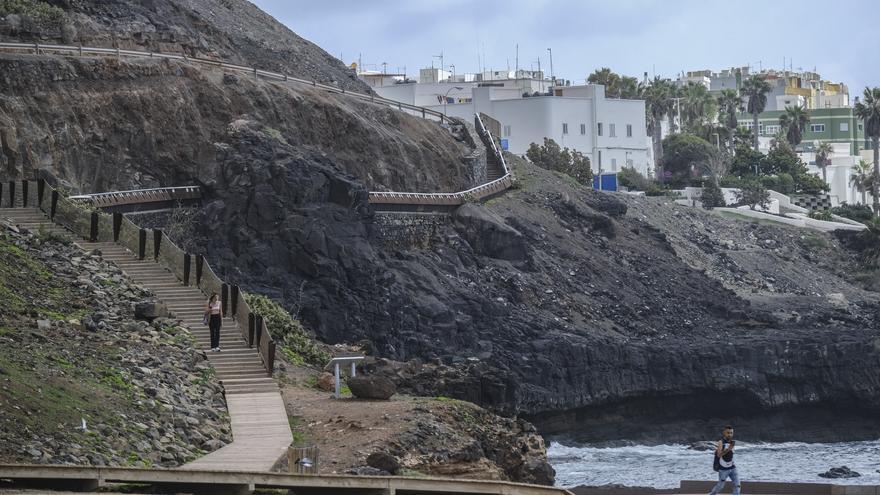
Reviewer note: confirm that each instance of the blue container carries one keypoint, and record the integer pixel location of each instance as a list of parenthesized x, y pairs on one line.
[(609, 182), (504, 144)]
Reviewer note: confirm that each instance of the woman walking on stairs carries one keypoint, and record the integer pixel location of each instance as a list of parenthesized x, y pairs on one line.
[(214, 319)]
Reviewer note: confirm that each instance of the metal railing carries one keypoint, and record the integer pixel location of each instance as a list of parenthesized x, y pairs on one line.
[(96, 226), (139, 196), (39, 48), (453, 198)]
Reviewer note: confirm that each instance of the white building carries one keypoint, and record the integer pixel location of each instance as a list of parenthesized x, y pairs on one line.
[(611, 132)]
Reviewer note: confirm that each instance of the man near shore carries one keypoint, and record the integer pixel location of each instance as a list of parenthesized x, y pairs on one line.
[(724, 462)]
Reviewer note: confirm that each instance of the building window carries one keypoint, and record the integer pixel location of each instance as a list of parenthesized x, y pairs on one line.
[(817, 127), (629, 130), (599, 128), (611, 131), (507, 131), (844, 127), (583, 129), (861, 128), (613, 163), (770, 130), (564, 128)]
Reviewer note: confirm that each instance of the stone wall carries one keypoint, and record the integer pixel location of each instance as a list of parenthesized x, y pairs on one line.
[(407, 230), (476, 162)]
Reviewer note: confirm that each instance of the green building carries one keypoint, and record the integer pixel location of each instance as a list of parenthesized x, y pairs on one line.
[(836, 125)]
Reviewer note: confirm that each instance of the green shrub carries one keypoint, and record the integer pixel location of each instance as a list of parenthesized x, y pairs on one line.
[(824, 215), (551, 156), (712, 196), (292, 339), (859, 213), (753, 194), (39, 13), (633, 180)]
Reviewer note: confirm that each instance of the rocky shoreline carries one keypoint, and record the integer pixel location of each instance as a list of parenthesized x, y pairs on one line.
[(81, 380)]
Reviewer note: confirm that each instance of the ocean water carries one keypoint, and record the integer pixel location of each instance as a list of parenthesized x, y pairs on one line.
[(663, 466)]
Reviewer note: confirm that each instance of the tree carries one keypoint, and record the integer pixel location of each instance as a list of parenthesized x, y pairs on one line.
[(712, 196), (674, 92), (551, 157), (628, 88), (869, 111), (860, 179), (823, 157), (608, 78), (657, 106), (747, 162), (742, 136), (698, 107), (755, 91), (729, 104), (684, 154), (793, 122), (754, 194), (716, 165)]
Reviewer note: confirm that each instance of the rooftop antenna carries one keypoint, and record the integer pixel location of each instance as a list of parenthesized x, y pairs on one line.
[(441, 60), (517, 59)]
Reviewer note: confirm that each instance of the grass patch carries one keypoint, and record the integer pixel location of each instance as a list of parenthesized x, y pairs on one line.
[(297, 428), (37, 12), (206, 376)]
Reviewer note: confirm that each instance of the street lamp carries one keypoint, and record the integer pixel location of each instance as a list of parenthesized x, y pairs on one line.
[(446, 95)]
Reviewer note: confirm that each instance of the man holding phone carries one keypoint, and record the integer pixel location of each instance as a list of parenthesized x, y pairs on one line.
[(724, 462)]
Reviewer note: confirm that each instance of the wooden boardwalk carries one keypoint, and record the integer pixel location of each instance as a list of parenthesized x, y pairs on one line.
[(260, 428)]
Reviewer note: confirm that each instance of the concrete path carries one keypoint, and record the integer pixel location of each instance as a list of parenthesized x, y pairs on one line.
[(260, 428)]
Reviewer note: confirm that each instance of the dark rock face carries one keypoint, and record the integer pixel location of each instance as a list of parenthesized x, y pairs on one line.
[(384, 461), (488, 235), (233, 30), (840, 472), (371, 387)]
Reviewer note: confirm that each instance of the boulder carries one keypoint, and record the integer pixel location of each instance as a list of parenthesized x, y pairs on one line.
[(839, 472), (371, 387), (383, 461), (488, 234), (150, 310), (326, 382)]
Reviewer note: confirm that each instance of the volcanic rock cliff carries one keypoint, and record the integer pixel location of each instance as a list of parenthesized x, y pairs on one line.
[(586, 311)]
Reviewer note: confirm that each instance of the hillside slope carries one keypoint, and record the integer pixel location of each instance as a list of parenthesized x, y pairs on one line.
[(72, 354), (232, 30)]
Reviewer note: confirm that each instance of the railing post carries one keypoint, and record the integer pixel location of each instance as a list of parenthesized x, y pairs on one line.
[(41, 192), (233, 299), (252, 324), (25, 186), (187, 261), (200, 263), (117, 225), (93, 227), (54, 207), (142, 244), (12, 194), (224, 298), (157, 242), (258, 330), (270, 359), (1, 195)]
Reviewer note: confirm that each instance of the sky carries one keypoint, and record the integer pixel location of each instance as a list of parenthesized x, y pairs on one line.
[(840, 39)]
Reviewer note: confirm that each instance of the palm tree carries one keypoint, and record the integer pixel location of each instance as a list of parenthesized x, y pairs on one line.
[(607, 78), (869, 111), (755, 91), (729, 104), (698, 107), (823, 158), (674, 93), (860, 179), (657, 106), (628, 88), (742, 136), (793, 122)]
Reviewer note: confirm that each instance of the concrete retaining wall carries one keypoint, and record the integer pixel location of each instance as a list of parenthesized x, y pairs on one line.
[(405, 230)]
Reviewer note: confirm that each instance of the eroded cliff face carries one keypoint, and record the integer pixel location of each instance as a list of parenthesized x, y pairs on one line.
[(106, 124), (231, 30)]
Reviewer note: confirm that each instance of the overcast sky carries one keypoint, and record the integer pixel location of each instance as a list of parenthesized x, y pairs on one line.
[(840, 39)]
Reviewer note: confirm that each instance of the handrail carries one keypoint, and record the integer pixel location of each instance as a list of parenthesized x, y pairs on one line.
[(82, 50), (136, 196), (453, 198), (87, 224)]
